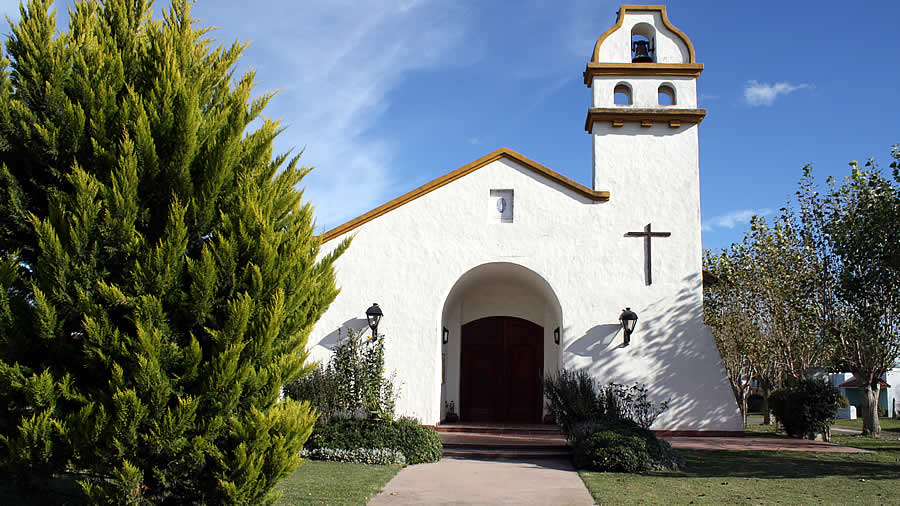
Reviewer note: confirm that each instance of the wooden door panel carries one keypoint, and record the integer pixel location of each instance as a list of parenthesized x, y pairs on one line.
[(500, 370), (482, 384), (524, 360)]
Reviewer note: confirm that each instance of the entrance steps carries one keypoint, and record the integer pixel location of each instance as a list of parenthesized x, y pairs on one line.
[(494, 440)]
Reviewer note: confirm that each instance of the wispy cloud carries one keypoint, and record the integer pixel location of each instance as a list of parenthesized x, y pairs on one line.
[(757, 93), (734, 218), (337, 63)]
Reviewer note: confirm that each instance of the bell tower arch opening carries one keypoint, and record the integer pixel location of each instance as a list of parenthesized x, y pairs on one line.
[(501, 320)]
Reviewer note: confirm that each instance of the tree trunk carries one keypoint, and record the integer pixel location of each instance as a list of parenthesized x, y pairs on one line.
[(767, 416), (868, 403), (744, 395)]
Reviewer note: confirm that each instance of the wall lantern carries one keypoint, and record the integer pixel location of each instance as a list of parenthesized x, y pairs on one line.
[(374, 314), (445, 335), (556, 335), (628, 319)]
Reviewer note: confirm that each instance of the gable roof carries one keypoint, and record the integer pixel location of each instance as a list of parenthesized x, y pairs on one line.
[(509, 154), (855, 383)]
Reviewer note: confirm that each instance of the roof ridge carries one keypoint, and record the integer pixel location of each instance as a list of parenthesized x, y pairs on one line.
[(601, 196)]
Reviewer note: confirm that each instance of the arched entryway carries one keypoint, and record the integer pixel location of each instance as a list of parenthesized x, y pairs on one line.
[(499, 320), (501, 370)]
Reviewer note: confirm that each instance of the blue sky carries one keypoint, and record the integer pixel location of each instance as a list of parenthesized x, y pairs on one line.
[(387, 95)]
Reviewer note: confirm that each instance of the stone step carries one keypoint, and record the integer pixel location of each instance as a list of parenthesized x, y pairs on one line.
[(471, 439), (506, 453), (483, 441), (491, 428)]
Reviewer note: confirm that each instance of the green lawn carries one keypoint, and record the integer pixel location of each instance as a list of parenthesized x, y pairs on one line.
[(316, 482), (764, 478), (313, 482), (891, 425)]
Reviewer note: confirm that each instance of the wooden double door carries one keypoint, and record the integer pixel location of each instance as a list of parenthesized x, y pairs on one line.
[(501, 371)]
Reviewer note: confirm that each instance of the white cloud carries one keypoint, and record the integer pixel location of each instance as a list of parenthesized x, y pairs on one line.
[(474, 141), (336, 63), (757, 93), (734, 218)]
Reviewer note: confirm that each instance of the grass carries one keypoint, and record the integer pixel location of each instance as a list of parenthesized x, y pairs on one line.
[(316, 482), (764, 477)]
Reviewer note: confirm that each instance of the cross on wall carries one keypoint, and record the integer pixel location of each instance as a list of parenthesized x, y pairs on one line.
[(648, 234)]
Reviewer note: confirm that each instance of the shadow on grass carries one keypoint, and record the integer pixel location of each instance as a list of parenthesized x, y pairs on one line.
[(787, 465)]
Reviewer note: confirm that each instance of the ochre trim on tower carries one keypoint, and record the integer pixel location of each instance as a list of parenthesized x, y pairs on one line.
[(618, 116), (556, 177), (640, 69), (665, 19)]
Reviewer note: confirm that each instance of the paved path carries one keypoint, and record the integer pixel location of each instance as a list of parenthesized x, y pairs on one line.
[(853, 432), (752, 443), (463, 481)]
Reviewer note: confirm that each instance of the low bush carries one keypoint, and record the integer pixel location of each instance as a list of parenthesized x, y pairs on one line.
[(374, 456), (575, 399), (806, 407), (621, 446), (416, 442), (352, 381), (843, 401)]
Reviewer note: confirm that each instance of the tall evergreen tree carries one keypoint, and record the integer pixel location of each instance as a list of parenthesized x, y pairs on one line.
[(159, 276)]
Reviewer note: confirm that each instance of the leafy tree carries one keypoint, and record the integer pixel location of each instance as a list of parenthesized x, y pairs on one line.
[(158, 272), (759, 311), (863, 227), (726, 312)]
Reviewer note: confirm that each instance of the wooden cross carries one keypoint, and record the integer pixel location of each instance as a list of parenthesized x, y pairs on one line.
[(647, 234)]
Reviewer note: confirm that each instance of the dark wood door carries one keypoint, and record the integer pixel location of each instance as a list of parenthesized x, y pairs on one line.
[(501, 364)]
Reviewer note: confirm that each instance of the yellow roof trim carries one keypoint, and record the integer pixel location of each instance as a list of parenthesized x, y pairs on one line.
[(535, 167), (652, 8)]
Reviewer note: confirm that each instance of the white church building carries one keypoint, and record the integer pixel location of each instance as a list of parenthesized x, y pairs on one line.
[(503, 271)]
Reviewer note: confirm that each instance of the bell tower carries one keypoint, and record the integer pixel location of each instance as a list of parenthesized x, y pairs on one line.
[(643, 118)]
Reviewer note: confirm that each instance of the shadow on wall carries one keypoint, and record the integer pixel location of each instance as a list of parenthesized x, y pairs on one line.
[(332, 338), (595, 342), (676, 358)]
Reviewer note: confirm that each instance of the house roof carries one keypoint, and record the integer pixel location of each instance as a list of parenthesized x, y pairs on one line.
[(501, 153), (854, 383)]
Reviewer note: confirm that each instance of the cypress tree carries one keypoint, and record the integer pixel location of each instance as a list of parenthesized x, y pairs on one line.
[(159, 276)]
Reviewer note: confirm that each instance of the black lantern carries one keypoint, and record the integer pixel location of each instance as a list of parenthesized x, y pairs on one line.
[(374, 314), (556, 335), (445, 335), (628, 319)]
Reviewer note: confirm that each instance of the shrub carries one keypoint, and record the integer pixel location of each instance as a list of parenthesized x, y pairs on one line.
[(374, 456), (352, 381), (572, 397), (843, 402), (159, 272), (574, 400), (417, 442), (320, 388), (622, 446), (805, 407)]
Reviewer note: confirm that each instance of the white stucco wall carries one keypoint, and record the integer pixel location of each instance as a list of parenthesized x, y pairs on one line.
[(670, 48), (645, 91), (578, 268)]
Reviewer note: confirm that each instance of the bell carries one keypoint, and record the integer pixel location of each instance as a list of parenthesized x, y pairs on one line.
[(641, 49)]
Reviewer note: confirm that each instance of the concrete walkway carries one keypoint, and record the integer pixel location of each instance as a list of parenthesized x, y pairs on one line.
[(758, 443), (464, 481), (853, 432)]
